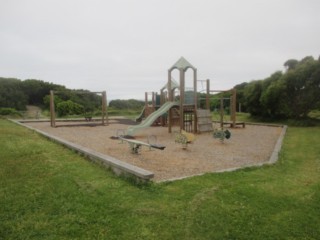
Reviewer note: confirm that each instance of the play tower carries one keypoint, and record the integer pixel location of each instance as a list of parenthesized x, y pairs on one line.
[(179, 105), (187, 107)]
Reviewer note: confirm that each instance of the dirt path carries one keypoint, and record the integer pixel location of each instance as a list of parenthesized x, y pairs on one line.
[(32, 112)]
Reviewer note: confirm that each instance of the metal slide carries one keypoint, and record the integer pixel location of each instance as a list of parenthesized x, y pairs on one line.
[(151, 118)]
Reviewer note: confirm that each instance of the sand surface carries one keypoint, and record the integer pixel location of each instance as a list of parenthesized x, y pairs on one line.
[(247, 146)]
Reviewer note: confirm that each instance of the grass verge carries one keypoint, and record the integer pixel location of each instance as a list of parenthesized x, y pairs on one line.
[(49, 192)]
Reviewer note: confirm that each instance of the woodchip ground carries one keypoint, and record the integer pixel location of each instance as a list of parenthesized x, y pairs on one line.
[(252, 145)]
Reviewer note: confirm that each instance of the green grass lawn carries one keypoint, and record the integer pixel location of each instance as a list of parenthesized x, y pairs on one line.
[(50, 192)]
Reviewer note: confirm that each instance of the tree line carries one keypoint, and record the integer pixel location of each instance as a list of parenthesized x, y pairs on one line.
[(126, 104), (293, 93), (17, 94), (289, 94)]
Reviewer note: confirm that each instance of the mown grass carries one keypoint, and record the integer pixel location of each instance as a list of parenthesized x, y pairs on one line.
[(50, 192), (241, 117)]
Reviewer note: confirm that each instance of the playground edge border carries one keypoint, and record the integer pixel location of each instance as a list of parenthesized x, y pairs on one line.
[(142, 175), (273, 158), (118, 167)]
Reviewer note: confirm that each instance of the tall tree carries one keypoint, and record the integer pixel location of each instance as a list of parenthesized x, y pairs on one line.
[(252, 94), (291, 64), (303, 87), (271, 95), (240, 96), (12, 94), (292, 94)]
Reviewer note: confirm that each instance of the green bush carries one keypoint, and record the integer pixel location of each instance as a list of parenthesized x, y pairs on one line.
[(69, 108), (131, 104), (8, 111), (293, 94)]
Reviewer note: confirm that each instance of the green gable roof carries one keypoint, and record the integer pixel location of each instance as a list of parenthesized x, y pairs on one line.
[(183, 64)]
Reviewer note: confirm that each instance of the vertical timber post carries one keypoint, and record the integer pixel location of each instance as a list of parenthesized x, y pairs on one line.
[(161, 97), (234, 107), (231, 106), (52, 110), (154, 100), (104, 108), (161, 103), (221, 112), (208, 94), (170, 99), (181, 99), (146, 99), (195, 120)]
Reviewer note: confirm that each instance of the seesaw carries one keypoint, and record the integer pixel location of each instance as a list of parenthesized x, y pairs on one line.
[(136, 145)]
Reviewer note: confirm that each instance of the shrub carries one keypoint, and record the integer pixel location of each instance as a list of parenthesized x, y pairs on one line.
[(8, 111), (69, 108)]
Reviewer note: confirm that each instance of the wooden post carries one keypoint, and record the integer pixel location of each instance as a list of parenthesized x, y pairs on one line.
[(195, 120), (104, 108), (106, 103), (170, 99), (231, 107), (161, 98), (153, 100), (234, 107), (162, 121), (52, 110), (181, 98), (208, 94), (146, 99), (221, 112)]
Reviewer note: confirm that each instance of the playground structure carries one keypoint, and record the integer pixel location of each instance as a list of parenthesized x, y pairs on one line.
[(203, 156), (233, 102), (152, 118), (180, 112), (104, 117), (187, 109), (177, 107), (149, 108)]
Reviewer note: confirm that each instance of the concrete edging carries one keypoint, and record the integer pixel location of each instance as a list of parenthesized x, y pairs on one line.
[(273, 158), (117, 166), (275, 154), (122, 168)]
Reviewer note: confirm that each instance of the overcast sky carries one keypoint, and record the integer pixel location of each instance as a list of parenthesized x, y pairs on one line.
[(127, 46)]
